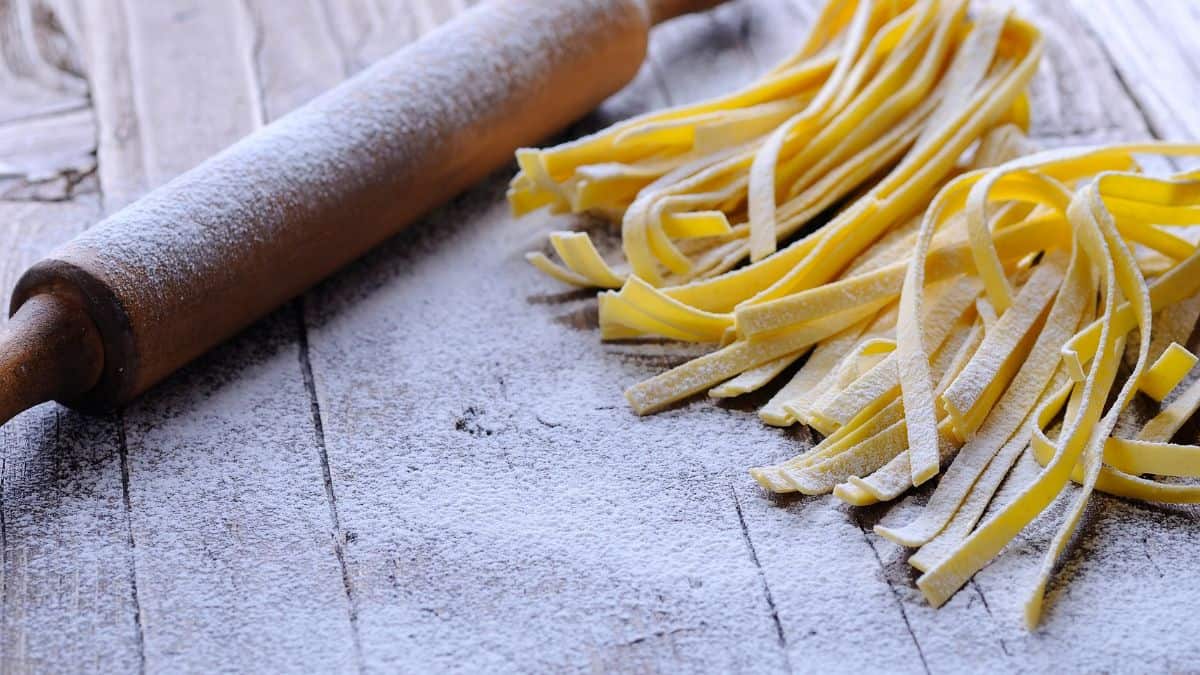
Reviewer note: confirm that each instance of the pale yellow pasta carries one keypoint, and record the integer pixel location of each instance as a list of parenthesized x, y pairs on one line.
[(945, 314)]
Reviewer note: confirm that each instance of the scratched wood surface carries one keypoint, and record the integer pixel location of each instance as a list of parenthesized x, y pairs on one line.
[(425, 462)]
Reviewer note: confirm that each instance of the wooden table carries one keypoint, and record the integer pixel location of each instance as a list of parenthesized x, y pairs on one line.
[(425, 463)]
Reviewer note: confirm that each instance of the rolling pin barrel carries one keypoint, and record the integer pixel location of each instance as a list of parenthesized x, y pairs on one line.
[(200, 258)]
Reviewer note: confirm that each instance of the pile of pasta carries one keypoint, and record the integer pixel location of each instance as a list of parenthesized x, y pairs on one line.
[(970, 300)]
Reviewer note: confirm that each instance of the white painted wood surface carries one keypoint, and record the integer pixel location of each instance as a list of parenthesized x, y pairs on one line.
[(426, 463)]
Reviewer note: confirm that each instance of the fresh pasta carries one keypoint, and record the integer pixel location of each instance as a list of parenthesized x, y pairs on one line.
[(969, 300)]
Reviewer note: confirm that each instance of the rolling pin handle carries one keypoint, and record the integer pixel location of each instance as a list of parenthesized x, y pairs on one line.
[(49, 350)]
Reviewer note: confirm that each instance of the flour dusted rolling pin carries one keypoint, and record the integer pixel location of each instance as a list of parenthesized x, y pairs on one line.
[(120, 307)]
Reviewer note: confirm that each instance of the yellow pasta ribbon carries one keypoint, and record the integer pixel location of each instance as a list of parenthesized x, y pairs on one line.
[(938, 315)]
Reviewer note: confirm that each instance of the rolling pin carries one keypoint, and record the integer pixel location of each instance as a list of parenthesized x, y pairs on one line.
[(126, 303)]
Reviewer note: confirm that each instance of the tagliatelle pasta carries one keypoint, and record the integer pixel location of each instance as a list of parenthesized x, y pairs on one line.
[(968, 296)]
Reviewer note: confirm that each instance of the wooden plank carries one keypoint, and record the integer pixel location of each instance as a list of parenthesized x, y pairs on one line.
[(233, 556), (503, 513), (296, 55), (1097, 611), (39, 68), (368, 30), (496, 520), (48, 158), (1154, 50), (484, 505), (118, 141), (831, 596), (47, 132), (1115, 584), (459, 484), (1078, 98), (300, 52), (66, 585)]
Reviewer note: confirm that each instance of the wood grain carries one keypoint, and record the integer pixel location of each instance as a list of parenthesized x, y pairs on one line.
[(1077, 98), (66, 585), (47, 130), (1152, 45), (232, 549), (450, 448), (40, 73), (426, 463), (810, 609)]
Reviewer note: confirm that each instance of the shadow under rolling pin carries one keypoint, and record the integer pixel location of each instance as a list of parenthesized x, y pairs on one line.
[(117, 309)]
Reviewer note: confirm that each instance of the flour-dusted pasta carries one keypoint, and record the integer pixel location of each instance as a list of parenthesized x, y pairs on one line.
[(970, 300)]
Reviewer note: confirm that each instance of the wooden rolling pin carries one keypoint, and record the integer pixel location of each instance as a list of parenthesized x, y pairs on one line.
[(120, 307)]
